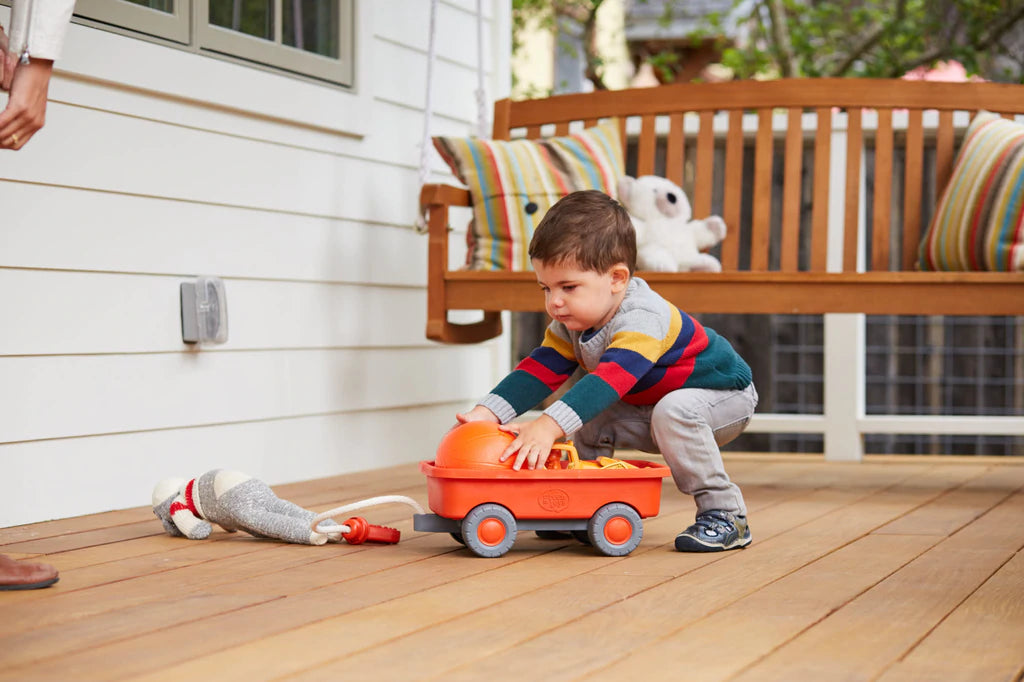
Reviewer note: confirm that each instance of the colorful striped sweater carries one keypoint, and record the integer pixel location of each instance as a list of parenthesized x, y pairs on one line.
[(648, 349)]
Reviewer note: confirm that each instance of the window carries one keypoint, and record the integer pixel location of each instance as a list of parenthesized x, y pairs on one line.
[(309, 37)]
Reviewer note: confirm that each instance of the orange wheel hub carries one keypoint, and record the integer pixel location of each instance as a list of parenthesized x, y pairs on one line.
[(491, 532), (618, 530)]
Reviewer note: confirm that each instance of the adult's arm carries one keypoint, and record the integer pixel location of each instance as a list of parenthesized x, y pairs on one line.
[(38, 28), (37, 35)]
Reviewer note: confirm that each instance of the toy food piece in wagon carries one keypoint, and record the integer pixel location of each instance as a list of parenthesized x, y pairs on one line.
[(478, 445)]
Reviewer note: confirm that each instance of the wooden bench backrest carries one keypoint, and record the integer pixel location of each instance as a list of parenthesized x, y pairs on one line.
[(808, 109)]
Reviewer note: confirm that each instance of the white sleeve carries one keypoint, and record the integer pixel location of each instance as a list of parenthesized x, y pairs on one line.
[(39, 26)]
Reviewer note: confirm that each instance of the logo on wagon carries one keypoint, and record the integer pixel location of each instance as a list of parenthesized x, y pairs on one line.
[(553, 500)]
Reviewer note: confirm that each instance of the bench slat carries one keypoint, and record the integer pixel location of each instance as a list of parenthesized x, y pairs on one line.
[(854, 140), (705, 164), (733, 191), (888, 293), (807, 93), (944, 149), (645, 148), (822, 173), (880, 232), (791, 189), (912, 189), (761, 226), (675, 149)]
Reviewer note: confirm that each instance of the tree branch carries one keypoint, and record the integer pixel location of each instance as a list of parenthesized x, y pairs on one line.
[(869, 41), (990, 38), (590, 45), (997, 31), (788, 65)]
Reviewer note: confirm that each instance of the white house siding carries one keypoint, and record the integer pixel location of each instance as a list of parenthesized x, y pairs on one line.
[(157, 165)]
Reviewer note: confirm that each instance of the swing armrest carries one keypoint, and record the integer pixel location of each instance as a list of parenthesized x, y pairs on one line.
[(435, 201)]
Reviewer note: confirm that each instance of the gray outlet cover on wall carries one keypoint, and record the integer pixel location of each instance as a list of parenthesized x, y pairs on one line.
[(204, 311)]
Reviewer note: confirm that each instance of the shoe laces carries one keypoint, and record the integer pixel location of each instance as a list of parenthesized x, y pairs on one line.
[(715, 523)]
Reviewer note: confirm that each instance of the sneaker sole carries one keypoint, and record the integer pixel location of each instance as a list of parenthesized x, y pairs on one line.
[(692, 544)]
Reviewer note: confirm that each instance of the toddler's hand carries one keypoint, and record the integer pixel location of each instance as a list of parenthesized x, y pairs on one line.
[(533, 441), (477, 414)]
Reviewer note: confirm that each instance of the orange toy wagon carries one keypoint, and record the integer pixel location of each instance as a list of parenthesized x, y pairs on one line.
[(485, 507)]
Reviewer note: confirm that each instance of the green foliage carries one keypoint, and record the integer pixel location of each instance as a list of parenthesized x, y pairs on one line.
[(872, 38), (818, 38)]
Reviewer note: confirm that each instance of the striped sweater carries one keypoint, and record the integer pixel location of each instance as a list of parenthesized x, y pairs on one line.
[(648, 349)]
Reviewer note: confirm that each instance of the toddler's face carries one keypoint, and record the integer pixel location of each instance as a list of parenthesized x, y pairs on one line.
[(581, 299)]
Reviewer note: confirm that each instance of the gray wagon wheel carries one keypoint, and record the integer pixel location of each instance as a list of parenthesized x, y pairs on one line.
[(615, 529), (489, 530)]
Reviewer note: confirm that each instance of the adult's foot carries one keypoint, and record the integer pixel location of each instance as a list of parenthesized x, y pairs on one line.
[(23, 575)]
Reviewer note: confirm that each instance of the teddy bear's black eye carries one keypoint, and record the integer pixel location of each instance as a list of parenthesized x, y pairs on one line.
[(531, 208), (671, 198)]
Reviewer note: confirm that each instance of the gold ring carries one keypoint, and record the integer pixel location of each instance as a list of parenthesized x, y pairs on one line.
[(14, 136)]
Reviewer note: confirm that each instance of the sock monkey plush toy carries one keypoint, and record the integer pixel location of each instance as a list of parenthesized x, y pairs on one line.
[(234, 501)]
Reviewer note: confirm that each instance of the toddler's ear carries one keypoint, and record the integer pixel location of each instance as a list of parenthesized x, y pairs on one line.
[(620, 277)]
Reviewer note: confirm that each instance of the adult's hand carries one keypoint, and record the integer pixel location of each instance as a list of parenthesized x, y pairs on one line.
[(7, 62), (26, 107)]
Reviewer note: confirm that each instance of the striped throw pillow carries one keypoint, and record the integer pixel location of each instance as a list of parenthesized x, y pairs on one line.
[(979, 221), (514, 183)]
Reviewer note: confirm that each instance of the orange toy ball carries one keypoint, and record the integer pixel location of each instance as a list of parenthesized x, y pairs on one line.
[(476, 445)]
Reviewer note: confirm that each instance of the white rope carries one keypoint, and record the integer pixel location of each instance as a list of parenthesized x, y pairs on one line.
[(370, 502), (481, 94), (482, 125), (428, 110)]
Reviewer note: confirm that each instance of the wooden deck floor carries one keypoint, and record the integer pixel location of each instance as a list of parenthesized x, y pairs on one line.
[(890, 569)]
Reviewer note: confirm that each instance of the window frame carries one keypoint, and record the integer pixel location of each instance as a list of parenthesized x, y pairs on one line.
[(188, 28), (211, 38), (173, 26)]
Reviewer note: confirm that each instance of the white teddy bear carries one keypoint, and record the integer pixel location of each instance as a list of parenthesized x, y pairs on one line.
[(667, 239)]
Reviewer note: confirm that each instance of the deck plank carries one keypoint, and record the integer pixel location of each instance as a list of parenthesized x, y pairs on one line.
[(838, 549), (887, 621), (759, 623), (756, 624), (982, 640)]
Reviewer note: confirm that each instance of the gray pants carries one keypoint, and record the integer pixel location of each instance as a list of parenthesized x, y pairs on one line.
[(687, 427)]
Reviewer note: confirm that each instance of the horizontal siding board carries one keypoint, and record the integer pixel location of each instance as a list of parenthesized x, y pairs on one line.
[(400, 75), (156, 159), (455, 38), (63, 228), (396, 132), (118, 471), (76, 312), (65, 396)]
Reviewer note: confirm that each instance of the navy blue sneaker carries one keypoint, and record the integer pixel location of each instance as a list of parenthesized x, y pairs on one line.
[(714, 531)]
